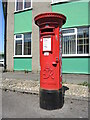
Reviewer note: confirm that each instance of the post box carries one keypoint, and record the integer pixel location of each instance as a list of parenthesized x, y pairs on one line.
[(50, 24)]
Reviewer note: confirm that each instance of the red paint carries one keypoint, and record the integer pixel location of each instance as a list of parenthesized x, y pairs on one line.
[(50, 73)]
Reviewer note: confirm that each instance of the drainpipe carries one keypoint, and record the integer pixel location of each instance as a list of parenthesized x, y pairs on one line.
[(5, 33)]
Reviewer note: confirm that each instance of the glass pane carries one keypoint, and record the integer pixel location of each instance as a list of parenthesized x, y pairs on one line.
[(69, 44), (83, 30), (80, 41), (68, 31), (83, 40), (19, 5), (27, 44), (80, 49), (27, 4), (86, 49), (18, 47), (87, 41), (18, 36), (73, 45), (80, 35)]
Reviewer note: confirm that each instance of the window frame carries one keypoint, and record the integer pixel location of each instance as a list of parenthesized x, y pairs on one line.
[(73, 55), (89, 40), (60, 1), (15, 39), (23, 6)]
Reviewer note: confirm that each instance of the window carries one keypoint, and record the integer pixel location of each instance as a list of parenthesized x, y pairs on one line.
[(22, 4), (75, 41), (22, 44)]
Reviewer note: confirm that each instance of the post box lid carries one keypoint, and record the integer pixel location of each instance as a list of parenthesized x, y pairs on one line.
[(50, 17)]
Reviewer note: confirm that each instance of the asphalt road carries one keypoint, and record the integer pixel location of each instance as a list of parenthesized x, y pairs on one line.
[(19, 105)]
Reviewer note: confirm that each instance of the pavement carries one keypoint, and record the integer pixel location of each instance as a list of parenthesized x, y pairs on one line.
[(30, 83), (19, 105)]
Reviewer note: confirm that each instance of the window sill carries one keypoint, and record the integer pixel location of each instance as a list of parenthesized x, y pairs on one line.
[(22, 56), (76, 55), (23, 10), (60, 2)]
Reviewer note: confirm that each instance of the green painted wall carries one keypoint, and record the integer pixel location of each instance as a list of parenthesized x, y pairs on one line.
[(89, 13), (23, 22), (23, 64), (76, 13), (76, 65), (89, 65)]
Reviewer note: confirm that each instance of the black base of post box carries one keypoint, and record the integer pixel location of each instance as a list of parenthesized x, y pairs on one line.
[(51, 99)]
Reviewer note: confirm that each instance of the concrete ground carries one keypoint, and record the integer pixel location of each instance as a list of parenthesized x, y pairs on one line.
[(21, 75), (18, 105)]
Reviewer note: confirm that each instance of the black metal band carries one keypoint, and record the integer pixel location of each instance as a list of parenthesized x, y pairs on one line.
[(51, 99)]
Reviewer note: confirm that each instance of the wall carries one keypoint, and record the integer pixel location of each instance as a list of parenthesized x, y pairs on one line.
[(10, 36), (76, 65), (77, 14), (23, 22), (23, 64), (38, 7)]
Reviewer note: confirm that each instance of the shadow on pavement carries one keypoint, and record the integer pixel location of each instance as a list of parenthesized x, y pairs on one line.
[(64, 88)]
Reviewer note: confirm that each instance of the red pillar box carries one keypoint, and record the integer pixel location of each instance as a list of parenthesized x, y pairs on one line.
[(50, 59)]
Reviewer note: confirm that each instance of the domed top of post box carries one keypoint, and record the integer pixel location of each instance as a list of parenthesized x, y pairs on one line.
[(51, 18)]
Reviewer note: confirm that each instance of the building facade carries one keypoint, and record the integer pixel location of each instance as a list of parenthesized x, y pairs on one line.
[(23, 34)]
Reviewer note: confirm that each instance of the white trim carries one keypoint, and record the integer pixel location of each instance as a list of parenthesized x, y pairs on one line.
[(67, 34), (14, 44), (75, 55), (15, 39), (15, 4), (89, 40), (23, 10), (22, 38), (23, 4), (22, 56), (18, 38), (76, 40), (31, 3), (22, 44), (59, 1), (69, 29), (31, 44)]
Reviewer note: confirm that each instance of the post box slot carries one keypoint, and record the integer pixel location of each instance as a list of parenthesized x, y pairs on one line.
[(47, 30)]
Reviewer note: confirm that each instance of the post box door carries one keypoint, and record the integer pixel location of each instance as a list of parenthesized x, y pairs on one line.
[(49, 62)]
